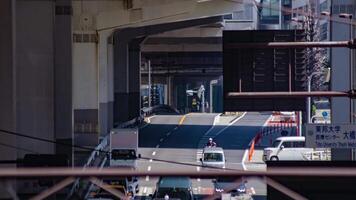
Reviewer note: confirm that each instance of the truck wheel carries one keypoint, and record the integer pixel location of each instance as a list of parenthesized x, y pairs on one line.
[(274, 158)]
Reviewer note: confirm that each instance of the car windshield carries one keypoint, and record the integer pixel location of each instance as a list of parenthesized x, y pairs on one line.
[(174, 193), (276, 143), (123, 154), (213, 157)]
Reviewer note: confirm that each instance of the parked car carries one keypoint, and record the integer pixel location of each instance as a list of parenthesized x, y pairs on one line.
[(213, 157), (286, 148)]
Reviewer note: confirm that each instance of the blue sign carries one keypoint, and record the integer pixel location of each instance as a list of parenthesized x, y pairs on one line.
[(325, 114)]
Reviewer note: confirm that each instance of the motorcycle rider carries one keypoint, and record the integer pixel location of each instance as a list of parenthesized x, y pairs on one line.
[(210, 143)]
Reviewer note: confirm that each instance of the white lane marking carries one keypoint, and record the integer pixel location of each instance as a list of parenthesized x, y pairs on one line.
[(147, 178), (161, 140), (198, 169), (154, 153), (175, 128), (168, 133), (244, 159), (149, 168), (151, 160), (231, 123), (145, 190), (157, 146)]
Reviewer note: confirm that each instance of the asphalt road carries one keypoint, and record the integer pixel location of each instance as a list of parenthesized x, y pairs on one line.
[(177, 141)]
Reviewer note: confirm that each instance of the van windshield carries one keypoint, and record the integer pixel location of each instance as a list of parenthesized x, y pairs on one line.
[(276, 143), (127, 154), (213, 157)]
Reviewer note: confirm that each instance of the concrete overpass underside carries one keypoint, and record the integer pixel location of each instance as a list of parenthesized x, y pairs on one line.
[(74, 65)]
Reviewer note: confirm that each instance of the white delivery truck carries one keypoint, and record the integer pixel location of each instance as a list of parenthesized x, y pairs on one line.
[(123, 154), (123, 147)]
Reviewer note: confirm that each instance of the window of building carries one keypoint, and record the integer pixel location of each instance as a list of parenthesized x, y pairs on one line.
[(270, 12)]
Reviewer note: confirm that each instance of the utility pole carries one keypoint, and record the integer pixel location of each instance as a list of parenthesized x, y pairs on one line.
[(149, 83)]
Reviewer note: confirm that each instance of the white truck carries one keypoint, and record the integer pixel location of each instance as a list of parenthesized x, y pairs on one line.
[(123, 154), (123, 147)]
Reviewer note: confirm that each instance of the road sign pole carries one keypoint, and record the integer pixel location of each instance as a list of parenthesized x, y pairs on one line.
[(149, 83)]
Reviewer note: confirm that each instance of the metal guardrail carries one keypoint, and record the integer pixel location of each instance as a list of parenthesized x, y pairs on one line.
[(321, 155), (91, 184), (94, 154)]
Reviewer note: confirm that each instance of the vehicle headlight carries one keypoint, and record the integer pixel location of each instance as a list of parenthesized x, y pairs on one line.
[(267, 152)]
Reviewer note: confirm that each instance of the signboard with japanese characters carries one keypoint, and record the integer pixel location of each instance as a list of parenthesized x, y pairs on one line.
[(330, 136)]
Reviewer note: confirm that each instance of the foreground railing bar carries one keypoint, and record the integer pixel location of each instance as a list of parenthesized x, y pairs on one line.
[(107, 172), (108, 188), (55, 188), (263, 45), (296, 94), (290, 193)]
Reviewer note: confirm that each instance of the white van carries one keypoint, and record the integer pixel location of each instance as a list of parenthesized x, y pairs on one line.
[(213, 157), (287, 148)]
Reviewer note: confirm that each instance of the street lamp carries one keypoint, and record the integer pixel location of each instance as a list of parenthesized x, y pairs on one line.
[(350, 16)]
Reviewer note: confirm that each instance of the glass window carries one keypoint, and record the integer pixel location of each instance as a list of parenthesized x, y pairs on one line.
[(342, 8), (126, 154), (287, 144), (276, 143), (336, 9), (300, 144), (213, 157)]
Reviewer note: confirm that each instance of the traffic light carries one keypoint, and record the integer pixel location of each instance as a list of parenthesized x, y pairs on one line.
[(154, 95)]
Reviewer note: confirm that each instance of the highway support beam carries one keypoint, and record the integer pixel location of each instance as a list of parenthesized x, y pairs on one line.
[(127, 62)]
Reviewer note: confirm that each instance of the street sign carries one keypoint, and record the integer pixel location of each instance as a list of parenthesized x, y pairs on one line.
[(325, 114), (330, 136)]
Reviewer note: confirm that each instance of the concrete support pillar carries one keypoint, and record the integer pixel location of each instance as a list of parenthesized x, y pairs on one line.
[(35, 75), (134, 77), (7, 78), (127, 81), (63, 111), (121, 85), (169, 90), (105, 82)]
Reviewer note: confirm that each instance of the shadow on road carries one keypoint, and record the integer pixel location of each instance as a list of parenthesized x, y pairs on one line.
[(190, 136)]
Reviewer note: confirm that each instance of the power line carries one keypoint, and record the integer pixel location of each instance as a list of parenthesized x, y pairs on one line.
[(18, 148), (100, 151), (46, 140)]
